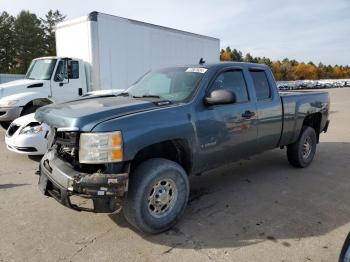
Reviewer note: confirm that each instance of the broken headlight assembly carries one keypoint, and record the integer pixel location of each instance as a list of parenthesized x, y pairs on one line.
[(97, 148)]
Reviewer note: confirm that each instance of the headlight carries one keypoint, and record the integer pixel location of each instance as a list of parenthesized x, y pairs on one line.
[(29, 130), (8, 103), (101, 147)]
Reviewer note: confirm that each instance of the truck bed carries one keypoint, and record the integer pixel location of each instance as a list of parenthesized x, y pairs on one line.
[(296, 105)]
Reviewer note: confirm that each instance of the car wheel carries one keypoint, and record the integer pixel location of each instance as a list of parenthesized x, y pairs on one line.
[(302, 152), (157, 196), (5, 125)]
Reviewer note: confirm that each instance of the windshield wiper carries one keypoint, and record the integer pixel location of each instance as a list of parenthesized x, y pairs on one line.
[(147, 96), (123, 94)]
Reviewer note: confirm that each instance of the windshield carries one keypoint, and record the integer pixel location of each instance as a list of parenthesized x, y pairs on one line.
[(174, 84), (41, 69)]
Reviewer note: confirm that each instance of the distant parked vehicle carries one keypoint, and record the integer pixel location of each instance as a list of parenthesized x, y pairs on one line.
[(29, 137), (97, 52), (313, 84)]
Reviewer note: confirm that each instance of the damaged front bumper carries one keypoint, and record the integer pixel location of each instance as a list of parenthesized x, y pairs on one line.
[(97, 192)]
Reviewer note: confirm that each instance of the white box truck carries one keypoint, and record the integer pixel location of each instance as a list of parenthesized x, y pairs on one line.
[(98, 52)]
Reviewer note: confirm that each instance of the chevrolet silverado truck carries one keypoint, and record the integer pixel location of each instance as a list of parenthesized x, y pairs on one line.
[(135, 151)]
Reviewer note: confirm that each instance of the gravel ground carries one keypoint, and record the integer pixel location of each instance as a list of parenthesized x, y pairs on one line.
[(259, 209)]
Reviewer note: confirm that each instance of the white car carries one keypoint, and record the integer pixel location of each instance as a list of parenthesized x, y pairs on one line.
[(27, 136)]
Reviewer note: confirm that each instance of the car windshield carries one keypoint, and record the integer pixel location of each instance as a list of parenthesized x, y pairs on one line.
[(174, 84), (41, 69)]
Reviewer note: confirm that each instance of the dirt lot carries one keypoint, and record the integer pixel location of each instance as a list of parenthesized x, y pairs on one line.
[(259, 209)]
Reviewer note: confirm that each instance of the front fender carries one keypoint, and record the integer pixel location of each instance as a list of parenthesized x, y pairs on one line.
[(26, 97), (141, 130)]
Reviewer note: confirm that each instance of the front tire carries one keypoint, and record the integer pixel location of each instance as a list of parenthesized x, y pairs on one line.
[(302, 152), (157, 196)]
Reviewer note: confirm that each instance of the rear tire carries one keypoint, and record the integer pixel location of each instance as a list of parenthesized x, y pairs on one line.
[(301, 153), (5, 125), (157, 196)]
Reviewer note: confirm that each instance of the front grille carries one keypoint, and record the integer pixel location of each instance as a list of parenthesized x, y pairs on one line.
[(12, 129), (67, 146)]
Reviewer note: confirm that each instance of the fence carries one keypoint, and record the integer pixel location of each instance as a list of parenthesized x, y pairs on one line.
[(4, 78)]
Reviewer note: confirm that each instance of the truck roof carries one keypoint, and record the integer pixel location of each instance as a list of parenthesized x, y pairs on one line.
[(55, 57), (229, 64), (93, 16)]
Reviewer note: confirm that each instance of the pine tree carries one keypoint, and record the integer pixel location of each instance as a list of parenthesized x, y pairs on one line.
[(52, 18), (29, 40), (7, 46)]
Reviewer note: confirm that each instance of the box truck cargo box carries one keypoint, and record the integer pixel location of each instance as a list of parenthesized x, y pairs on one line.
[(117, 51)]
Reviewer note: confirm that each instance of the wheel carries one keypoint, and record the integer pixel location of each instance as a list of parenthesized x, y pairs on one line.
[(5, 125), (157, 196), (28, 110), (302, 152)]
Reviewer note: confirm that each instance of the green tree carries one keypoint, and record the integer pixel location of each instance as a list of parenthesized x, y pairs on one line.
[(7, 47), (236, 55), (265, 60), (248, 58), (52, 18), (29, 39)]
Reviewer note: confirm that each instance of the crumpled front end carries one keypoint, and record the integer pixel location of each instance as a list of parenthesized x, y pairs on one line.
[(93, 188), (27, 136)]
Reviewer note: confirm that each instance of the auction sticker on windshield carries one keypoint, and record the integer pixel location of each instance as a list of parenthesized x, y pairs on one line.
[(196, 70)]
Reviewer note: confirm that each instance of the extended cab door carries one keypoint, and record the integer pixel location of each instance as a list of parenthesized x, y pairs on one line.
[(227, 132), (269, 108), (66, 83)]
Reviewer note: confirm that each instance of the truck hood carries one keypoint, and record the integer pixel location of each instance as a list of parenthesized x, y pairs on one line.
[(17, 86), (85, 114)]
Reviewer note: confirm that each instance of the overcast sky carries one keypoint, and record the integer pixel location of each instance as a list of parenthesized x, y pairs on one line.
[(306, 30)]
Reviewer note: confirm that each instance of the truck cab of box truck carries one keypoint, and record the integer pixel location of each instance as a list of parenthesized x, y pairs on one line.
[(48, 80)]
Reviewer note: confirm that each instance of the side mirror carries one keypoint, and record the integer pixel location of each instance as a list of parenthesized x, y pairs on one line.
[(220, 97)]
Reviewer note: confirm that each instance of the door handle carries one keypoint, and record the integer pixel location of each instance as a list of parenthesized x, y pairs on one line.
[(248, 114)]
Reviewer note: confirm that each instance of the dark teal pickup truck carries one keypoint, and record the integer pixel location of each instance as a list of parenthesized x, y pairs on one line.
[(136, 150)]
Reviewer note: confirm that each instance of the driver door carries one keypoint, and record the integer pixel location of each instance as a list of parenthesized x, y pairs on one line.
[(66, 84), (227, 132)]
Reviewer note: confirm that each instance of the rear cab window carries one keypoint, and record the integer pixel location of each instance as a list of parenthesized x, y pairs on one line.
[(261, 84), (74, 74)]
